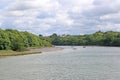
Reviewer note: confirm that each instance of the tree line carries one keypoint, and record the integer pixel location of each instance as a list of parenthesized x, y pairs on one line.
[(18, 41), (109, 38)]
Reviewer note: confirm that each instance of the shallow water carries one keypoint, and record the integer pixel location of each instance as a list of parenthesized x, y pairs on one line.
[(71, 63)]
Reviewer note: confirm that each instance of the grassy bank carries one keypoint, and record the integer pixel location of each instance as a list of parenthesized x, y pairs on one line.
[(5, 53), (30, 50)]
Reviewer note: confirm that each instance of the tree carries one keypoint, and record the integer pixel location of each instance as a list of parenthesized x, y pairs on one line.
[(99, 38), (18, 41)]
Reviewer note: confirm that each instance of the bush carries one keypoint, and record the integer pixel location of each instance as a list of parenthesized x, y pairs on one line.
[(17, 46)]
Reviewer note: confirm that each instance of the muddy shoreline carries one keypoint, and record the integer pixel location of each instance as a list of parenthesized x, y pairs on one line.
[(47, 49)]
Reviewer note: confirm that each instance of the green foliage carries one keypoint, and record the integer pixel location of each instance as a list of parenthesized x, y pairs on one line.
[(18, 45), (19, 41), (4, 40), (99, 38)]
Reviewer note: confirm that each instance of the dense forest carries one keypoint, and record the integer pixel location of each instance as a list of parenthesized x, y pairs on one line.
[(109, 38), (18, 41)]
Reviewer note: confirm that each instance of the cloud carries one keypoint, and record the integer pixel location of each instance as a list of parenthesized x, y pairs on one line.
[(102, 7), (113, 18), (60, 16), (109, 26), (4, 1)]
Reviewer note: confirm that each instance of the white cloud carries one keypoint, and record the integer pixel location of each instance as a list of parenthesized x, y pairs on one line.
[(109, 26), (102, 7), (111, 16), (61, 16)]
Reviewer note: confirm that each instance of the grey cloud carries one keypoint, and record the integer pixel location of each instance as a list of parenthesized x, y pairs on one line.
[(19, 5), (103, 7), (62, 16)]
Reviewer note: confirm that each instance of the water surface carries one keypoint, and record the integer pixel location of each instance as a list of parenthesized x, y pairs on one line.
[(71, 63)]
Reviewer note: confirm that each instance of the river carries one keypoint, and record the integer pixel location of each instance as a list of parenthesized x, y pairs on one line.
[(71, 63)]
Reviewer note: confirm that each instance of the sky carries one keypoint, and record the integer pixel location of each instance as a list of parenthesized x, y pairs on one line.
[(75, 17)]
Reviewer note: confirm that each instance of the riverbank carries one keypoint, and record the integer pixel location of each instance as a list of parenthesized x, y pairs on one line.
[(5, 53), (46, 49)]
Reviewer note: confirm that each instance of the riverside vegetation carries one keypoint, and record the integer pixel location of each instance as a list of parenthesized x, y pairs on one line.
[(109, 38), (12, 42), (18, 41)]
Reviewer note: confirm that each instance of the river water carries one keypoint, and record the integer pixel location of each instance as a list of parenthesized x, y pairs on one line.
[(71, 63)]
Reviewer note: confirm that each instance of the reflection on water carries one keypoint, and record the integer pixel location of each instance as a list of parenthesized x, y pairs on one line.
[(72, 63)]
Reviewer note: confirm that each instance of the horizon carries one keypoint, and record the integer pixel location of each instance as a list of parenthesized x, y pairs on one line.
[(61, 17), (63, 33)]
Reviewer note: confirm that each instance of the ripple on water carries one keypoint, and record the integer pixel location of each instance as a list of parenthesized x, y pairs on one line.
[(90, 63)]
